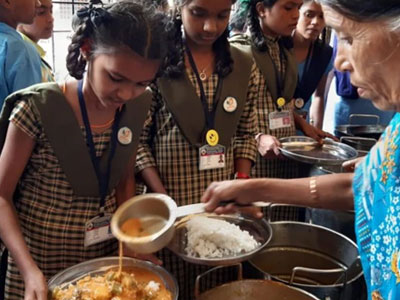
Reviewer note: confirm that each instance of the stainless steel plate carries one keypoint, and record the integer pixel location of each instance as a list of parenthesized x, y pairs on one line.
[(307, 150), (258, 228)]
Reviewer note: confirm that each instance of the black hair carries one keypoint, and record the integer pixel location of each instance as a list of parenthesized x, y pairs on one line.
[(125, 23), (322, 39), (256, 32), (365, 11), (238, 20), (176, 58)]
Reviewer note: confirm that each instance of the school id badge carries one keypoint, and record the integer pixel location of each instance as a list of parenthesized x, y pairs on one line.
[(279, 119), (98, 230), (211, 157)]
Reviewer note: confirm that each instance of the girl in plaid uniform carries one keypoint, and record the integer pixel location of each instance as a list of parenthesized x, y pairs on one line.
[(44, 209), (174, 145), (271, 23)]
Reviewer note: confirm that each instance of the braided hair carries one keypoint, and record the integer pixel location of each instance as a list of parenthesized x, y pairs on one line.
[(176, 59), (257, 36), (122, 24)]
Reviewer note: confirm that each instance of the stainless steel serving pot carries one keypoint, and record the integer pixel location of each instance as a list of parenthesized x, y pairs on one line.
[(313, 258), (251, 289), (102, 265), (373, 130)]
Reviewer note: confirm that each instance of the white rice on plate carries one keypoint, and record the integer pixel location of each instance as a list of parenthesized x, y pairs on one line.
[(214, 238)]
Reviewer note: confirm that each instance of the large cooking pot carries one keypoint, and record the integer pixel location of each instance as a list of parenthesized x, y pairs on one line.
[(361, 144), (312, 258), (373, 131), (102, 265), (251, 289)]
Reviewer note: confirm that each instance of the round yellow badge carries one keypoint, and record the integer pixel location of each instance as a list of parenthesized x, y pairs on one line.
[(212, 137), (281, 101)]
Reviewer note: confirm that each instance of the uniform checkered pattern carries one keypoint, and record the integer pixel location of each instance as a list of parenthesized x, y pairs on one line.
[(163, 146), (52, 218), (275, 168)]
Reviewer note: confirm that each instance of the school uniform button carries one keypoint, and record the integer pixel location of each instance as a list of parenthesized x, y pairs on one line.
[(299, 103), (124, 136), (230, 104)]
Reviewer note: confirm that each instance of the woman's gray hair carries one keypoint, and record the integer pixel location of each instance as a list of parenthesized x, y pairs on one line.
[(387, 11)]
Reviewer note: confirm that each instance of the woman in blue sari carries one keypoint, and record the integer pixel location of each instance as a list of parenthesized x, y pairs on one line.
[(369, 49)]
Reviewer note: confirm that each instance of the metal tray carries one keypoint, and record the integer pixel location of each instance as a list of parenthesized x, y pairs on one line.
[(258, 228), (307, 150)]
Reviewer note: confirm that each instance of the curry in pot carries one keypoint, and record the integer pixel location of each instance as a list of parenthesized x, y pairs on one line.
[(132, 283)]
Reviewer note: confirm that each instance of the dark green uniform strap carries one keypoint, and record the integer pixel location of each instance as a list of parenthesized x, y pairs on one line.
[(65, 136), (265, 64), (182, 101)]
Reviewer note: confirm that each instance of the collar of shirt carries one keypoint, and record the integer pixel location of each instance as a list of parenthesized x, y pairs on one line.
[(41, 51)]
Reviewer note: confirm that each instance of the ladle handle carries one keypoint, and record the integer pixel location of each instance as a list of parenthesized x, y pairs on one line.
[(253, 204)]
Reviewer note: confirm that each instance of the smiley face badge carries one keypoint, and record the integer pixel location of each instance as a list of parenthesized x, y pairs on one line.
[(212, 137)]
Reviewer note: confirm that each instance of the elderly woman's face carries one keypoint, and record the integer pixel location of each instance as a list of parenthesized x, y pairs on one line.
[(372, 56)]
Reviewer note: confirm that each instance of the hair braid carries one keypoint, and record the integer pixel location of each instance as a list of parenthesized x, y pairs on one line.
[(75, 62), (223, 58), (256, 32), (175, 61)]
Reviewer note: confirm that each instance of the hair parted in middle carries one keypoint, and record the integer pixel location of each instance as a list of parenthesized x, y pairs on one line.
[(175, 66), (110, 28)]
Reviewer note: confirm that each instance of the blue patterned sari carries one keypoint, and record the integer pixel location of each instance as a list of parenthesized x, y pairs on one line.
[(376, 189)]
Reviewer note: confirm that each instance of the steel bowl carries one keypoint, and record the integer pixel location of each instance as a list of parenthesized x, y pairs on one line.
[(157, 205), (100, 266), (260, 229)]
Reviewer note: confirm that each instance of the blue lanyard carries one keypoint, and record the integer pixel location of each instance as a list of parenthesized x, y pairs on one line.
[(278, 76), (103, 178), (209, 115)]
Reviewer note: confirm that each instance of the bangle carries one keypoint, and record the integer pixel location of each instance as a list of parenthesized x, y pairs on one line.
[(313, 188), (241, 175)]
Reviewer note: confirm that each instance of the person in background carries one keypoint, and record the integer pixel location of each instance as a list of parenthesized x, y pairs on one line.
[(69, 149), (202, 121), (314, 59), (41, 28), (19, 61), (369, 49), (271, 23), (343, 101)]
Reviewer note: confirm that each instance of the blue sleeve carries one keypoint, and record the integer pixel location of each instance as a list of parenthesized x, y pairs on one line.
[(22, 66)]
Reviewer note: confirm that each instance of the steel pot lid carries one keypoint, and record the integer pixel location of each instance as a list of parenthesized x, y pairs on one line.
[(306, 150)]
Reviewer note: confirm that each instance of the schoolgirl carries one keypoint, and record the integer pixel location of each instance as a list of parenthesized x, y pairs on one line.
[(271, 23), (315, 60), (68, 150), (202, 122)]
